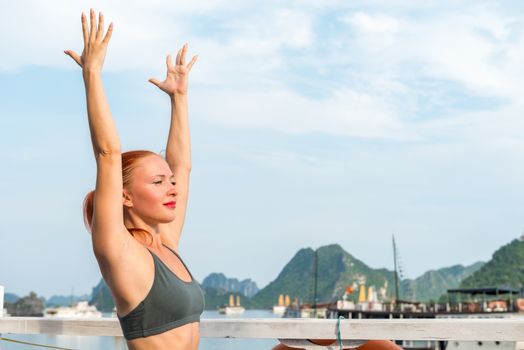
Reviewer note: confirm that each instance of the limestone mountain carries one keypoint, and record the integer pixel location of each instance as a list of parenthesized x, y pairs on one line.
[(10, 298), (219, 281), (214, 298), (434, 283), (337, 270), (505, 269), (101, 297), (30, 305), (65, 300)]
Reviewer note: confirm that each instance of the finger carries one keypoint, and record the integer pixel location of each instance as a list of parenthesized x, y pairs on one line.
[(100, 30), (169, 61), (192, 62), (74, 56), (92, 29), (85, 30), (155, 82), (108, 34), (183, 55), (178, 57)]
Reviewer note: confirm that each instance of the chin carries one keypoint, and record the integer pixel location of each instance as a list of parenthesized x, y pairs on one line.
[(166, 219)]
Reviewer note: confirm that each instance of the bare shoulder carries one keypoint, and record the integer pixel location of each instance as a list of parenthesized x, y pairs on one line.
[(122, 249), (129, 274)]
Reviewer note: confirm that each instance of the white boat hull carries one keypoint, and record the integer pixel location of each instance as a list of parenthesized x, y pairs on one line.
[(279, 310), (231, 310)]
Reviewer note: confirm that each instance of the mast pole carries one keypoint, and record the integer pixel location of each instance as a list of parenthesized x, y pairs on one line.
[(315, 284), (396, 268)]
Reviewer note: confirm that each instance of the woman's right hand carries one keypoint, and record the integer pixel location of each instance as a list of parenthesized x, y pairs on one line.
[(95, 43)]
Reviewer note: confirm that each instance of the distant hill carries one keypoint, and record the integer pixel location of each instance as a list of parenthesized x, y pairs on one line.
[(219, 281), (30, 305), (505, 269), (214, 297), (434, 283), (66, 300), (10, 298), (101, 297), (217, 288), (218, 297), (337, 269)]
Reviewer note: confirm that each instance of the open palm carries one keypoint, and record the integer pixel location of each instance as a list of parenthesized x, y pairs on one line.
[(177, 75), (95, 43)]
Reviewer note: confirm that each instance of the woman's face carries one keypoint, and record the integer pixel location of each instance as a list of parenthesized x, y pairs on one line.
[(151, 194)]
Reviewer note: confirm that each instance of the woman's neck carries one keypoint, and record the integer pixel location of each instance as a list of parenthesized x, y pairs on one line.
[(134, 222)]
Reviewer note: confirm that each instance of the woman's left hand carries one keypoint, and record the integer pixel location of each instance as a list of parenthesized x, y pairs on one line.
[(177, 75)]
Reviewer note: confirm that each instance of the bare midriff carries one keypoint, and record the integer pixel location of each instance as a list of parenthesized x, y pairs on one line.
[(185, 337)]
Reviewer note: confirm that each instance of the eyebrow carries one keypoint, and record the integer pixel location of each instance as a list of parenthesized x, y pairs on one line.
[(163, 176)]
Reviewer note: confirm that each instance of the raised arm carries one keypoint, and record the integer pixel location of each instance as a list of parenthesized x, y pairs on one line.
[(178, 150), (108, 231)]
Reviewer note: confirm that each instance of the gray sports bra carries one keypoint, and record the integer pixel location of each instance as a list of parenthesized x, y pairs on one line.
[(170, 303)]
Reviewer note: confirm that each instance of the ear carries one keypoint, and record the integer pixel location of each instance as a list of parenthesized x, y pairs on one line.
[(127, 199)]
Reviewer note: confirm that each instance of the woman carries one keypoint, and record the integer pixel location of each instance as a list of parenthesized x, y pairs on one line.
[(137, 210)]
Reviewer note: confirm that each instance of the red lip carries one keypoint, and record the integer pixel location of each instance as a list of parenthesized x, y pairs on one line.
[(170, 204)]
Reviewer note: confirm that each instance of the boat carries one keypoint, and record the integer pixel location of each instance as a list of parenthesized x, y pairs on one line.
[(80, 310), (283, 304), (232, 308)]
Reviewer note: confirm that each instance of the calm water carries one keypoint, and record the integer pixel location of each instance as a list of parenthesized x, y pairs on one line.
[(111, 343)]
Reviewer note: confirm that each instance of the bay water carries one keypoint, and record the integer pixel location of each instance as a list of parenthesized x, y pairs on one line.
[(118, 343)]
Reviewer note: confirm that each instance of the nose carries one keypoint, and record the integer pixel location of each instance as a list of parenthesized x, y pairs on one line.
[(172, 190)]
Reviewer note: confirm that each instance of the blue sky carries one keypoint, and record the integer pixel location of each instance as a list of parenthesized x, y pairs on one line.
[(312, 123)]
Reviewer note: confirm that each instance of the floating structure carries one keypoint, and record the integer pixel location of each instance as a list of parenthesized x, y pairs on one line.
[(80, 310), (283, 304), (466, 303), (232, 308)]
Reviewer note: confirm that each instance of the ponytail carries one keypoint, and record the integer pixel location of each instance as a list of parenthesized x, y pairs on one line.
[(130, 160)]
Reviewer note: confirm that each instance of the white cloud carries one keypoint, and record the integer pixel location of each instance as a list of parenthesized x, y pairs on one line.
[(347, 112), (377, 24), (243, 56)]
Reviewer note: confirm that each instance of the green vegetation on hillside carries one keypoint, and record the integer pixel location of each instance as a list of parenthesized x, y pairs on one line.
[(505, 269), (337, 270), (432, 284)]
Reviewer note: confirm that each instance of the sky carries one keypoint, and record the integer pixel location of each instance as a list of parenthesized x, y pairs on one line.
[(312, 123)]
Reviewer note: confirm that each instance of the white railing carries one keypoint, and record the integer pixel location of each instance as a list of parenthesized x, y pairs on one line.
[(295, 332)]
